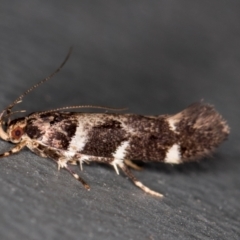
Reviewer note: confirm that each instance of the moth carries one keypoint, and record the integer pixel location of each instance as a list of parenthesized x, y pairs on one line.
[(113, 138)]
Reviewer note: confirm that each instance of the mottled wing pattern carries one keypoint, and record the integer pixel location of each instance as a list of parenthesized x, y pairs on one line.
[(187, 135)]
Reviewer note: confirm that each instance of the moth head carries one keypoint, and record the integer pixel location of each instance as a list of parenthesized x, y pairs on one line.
[(11, 130), (16, 129)]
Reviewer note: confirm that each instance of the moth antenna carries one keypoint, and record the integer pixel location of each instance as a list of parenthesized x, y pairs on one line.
[(7, 110), (19, 99), (80, 106), (20, 111)]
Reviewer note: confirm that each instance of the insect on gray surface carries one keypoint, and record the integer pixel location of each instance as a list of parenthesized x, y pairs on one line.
[(112, 138)]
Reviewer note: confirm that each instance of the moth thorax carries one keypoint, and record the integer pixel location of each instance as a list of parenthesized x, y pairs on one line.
[(16, 129)]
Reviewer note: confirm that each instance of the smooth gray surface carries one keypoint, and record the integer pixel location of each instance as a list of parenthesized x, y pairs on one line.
[(153, 57)]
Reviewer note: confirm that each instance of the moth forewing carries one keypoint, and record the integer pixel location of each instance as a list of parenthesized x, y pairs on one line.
[(115, 139)]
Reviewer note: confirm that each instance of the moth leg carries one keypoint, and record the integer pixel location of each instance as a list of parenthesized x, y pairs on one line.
[(133, 165), (15, 149), (73, 162), (75, 175), (82, 158), (61, 161), (77, 162), (129, 174)]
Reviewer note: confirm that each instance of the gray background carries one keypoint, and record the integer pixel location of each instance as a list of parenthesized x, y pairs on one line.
[(153, 57)]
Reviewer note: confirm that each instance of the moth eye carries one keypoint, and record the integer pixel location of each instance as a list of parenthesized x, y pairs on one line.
[(17, 133)]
